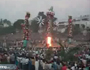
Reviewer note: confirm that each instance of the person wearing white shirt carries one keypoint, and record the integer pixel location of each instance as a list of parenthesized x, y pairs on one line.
[(73, 68), (36, 65)]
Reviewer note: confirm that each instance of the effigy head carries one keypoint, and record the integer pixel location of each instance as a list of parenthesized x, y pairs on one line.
[(70, 19), (27, 15), (50, 13)]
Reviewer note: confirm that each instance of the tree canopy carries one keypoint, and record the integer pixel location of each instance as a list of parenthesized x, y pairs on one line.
[(1, 22), (7, 30), (17, 24), (41, 19), (34, 26), (7, 22)]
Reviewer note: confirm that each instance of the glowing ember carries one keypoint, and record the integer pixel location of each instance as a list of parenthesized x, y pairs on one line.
[(49, 39)]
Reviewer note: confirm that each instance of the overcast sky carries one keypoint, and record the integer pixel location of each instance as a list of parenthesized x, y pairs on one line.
[(16, 9)]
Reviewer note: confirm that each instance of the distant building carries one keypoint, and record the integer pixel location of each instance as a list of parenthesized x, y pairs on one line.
[(5, 25), (80, 23), (82, 20)]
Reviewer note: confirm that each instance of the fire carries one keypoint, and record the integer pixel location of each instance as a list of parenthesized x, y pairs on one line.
[(49, 39)]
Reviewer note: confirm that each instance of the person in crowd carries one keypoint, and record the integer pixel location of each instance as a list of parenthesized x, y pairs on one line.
[(30, 64), (43, 64), (8, 58), (68, 68), (36, 63), (12, 59), (87, 67), (40, 65), (64, 67), (54, 65), (33, 64), (73, 67)]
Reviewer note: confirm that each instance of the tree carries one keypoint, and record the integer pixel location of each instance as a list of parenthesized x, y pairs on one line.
[(34, 26), (7, 30), (69, 55), (42, 14), (7, 22), (1, 22), (49, 53), (40, 20), (37, 21), (17, 24)]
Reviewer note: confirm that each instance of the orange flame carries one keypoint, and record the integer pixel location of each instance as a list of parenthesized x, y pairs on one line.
[(49, 39)]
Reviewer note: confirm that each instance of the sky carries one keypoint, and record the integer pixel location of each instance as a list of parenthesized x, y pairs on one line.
[(16, 9)]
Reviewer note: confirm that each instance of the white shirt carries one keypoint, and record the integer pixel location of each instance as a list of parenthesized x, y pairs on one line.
[(68, 69), (36, 65), (73, 68), (84, 61), (23, 60), (55, 57), (43, 65)]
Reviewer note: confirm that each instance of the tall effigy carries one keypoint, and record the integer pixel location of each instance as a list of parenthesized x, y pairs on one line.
[(50, 16), (70, 29), (25, 28)]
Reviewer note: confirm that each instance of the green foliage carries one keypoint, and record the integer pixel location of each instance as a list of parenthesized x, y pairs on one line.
[(71, 52), (62, 53), (49, 53), (7, 22), (61, 45), (7, 30), (69, 56), (42, 14), (17, 24), (34, 26), (1, 24)]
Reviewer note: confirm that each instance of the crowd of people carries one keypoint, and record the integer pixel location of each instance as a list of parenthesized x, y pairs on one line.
[(35, 59)]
